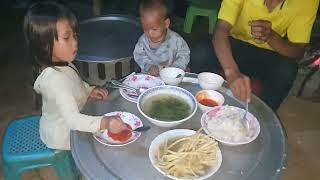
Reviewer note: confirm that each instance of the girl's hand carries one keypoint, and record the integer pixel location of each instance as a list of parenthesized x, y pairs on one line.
[(114, 124), (99, 93)]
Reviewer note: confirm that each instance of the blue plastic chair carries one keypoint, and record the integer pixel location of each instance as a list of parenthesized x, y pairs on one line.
[(23, 150)]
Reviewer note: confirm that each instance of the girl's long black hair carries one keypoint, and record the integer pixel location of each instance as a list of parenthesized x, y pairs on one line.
[(40, 31)]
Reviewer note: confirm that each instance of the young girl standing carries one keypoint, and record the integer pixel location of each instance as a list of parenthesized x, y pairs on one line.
[(51, 35)]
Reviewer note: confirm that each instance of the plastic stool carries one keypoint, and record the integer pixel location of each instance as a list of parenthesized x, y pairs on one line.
[(207, 8), (23, 150)]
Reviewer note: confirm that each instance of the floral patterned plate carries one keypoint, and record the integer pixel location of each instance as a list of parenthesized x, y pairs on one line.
[(132, 120), (139, 81)]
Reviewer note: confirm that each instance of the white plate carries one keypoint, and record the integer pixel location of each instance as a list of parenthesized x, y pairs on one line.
[(253, 122), (173, 134), (132, 120), (139, 81)]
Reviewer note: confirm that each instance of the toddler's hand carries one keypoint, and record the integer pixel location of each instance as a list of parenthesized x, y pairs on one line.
[(99, 93), (114, 124), (154, 71)]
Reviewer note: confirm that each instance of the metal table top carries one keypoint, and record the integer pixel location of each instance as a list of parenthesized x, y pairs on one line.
[(108, 38), (261, 159)]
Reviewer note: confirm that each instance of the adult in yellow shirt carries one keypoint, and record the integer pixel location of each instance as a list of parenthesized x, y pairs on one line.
[(262, 39)]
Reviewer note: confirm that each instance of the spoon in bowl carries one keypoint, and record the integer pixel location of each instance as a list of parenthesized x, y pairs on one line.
[(244, 119), (179, 75)]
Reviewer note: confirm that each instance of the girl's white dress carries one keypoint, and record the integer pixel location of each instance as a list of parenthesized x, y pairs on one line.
[(63, 96)]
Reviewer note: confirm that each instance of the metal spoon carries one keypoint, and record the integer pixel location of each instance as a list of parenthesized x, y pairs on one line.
[(141, 129), (117, 84), (122, 85), (244, 119)]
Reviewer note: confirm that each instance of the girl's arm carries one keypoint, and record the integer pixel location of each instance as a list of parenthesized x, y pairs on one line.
[(88, 87), (59, 90)]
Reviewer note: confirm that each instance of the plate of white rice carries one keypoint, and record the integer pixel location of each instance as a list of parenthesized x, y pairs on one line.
[(224, 124)]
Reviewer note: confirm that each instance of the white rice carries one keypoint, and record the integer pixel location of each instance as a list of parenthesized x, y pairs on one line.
[(226, 125)]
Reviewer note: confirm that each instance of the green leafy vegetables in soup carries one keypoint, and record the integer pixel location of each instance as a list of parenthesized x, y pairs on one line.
[(166, 107)]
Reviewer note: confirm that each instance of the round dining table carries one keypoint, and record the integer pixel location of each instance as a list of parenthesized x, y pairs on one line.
[(262, 159)]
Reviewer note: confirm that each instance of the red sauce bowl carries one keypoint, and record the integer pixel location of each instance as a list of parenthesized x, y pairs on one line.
[(123, 136), (207, 99)]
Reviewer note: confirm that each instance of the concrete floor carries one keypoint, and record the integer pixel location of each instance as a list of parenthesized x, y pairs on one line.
[(298, 116)]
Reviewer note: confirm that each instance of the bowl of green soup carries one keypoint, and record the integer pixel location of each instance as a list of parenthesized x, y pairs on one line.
[(167, 106)]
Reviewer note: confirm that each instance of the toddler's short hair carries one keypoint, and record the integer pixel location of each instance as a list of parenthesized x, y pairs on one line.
[(155, 5)]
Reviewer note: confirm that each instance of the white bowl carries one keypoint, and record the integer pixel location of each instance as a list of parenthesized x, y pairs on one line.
[(209, 80), (169, 74), (253, 124), (172, 90), (209, 94), (171, 135)]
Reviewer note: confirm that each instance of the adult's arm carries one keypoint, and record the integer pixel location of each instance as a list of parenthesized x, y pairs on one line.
[(286, 47), (298, 32), (238, 82), (222, 46), (262, 32)]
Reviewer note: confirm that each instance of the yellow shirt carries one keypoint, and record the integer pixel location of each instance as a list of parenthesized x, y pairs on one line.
[(293, 18)]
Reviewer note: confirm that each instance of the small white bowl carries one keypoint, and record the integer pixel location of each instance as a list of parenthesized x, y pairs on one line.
[(171, 135), (209, 80), (169, 75), (172, 90), (209, 94)]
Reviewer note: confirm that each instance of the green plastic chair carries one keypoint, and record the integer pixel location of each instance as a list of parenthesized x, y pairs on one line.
[(23, 150), (208, 8)]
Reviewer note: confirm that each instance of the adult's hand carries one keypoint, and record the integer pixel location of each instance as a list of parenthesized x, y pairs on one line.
[(261, 30), (239, 84)]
